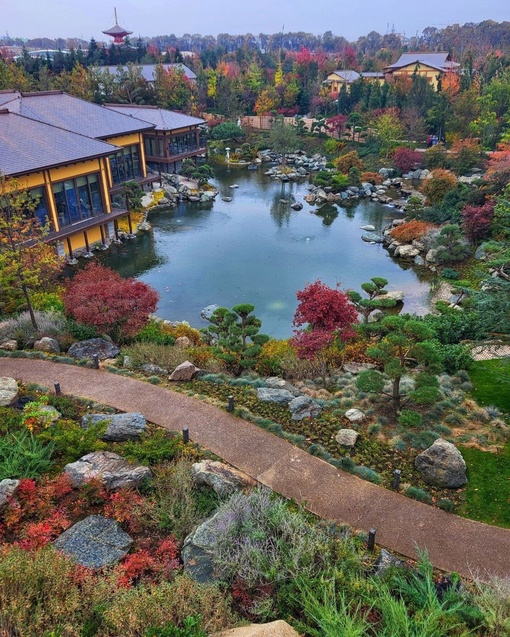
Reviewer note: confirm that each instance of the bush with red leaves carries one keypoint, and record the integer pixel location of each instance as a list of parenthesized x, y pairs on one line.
[(406, 159), (327, 312), (477, 221), (100, 297)]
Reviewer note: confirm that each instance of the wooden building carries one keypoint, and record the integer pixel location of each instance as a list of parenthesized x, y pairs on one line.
[(432, 66)]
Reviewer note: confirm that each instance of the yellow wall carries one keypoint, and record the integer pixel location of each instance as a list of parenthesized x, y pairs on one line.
[(129, 140), (421, 69)]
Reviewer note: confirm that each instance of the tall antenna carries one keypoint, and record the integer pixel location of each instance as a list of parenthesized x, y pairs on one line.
[(115, 11)]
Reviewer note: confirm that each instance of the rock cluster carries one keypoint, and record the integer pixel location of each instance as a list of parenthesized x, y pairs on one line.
[(281, 392), (111, 469), (442, 465)]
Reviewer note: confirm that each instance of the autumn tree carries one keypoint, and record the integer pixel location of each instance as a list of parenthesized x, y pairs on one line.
[(27, 263), (376, 297), (100, 297), (406, 159), (283, 138), (173, 89), (438, 185), (327, 313), (388, 129), (336, 124), (266, 102), (477, 221)]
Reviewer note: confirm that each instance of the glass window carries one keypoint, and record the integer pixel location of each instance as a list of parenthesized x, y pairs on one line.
[(77, 199), (41, 209)]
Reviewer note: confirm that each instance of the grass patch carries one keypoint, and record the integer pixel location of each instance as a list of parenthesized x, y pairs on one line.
[(488, 490), (491, 382)]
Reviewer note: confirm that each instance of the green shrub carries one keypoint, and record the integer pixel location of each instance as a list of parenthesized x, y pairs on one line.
[(446, 504), (409, 418), (152, 448), (365, 473), (80, 331), (71, 441), (10, 420), (418, 494), (155, 332), (22, 455), (190, 628)]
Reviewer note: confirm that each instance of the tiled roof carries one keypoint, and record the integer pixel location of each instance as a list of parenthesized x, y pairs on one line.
[(372, 74), (149, 70), (161, 118), (436, 60), (74, 114), (27, 145), (347, 75)]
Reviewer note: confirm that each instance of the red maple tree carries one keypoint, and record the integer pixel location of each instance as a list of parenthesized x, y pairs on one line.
[(327, 312), (100, 297)]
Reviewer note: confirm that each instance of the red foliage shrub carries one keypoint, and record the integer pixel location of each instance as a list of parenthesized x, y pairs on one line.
[(477, 221), (149, 566), (336, 124), (411, 230), (406, 159), (38, 534), (127, 507), (498, 167), (100, 297), (328, 313)]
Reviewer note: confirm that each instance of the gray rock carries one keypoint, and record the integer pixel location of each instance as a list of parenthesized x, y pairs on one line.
[(183, 342), (354, 415), (10, 345), (419, 261), (406, 252), (8, 391), (198, 552), (184, 372), (386, 561), (48, 414), (297, 206), (278, 396), (442, 465), (431, 255), (111, 469), (120, 427), (7, 490), (208, 311), (304, 407), (372, 237), (274, 382), (46, 344), (94, 542), (376, 316), (153, 370), (356, 368), (480, 255), (347, 437), (395, 295), (127, 362), (223, 479), (368, 228), (87, 349)]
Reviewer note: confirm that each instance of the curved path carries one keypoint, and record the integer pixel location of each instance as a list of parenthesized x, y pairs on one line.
[(402, 524)]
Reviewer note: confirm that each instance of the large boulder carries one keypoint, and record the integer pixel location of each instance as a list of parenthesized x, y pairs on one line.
[(111, 469), (47, 344), (372, 237), (356, 368), (278, 396), (354, 415), (7, 490), (304, 407), (198, 552), (8, 391), (94, 542), (442, 465), (184, 372), (9, 345), (347, 437), (208, 311), (183, 342), (406, 252), (89, 348), (274, 382), (278, 628), (120, 427), (394, 295), (223, 479)]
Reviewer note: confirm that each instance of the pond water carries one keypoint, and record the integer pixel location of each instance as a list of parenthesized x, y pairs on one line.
[(256, 249)]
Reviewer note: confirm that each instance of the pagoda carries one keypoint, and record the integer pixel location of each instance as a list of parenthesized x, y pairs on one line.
[(117, 32)]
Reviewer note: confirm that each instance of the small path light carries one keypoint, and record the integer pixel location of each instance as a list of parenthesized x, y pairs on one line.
[(185, 435), (231, 405), (371, 540), (396, 479), (95, 361), (58, 391)]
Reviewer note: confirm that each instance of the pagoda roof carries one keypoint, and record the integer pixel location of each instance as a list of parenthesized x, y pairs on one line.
[(117, 31)]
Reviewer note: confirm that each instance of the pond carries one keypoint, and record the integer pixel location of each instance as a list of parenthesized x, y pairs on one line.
[(256, 249)]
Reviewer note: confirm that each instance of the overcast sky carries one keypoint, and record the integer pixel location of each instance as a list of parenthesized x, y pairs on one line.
[(87, 18)]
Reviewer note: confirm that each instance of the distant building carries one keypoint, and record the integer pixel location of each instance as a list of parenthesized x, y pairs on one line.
[(149, 70), (346, 77), (117, 32), (432, 66)]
